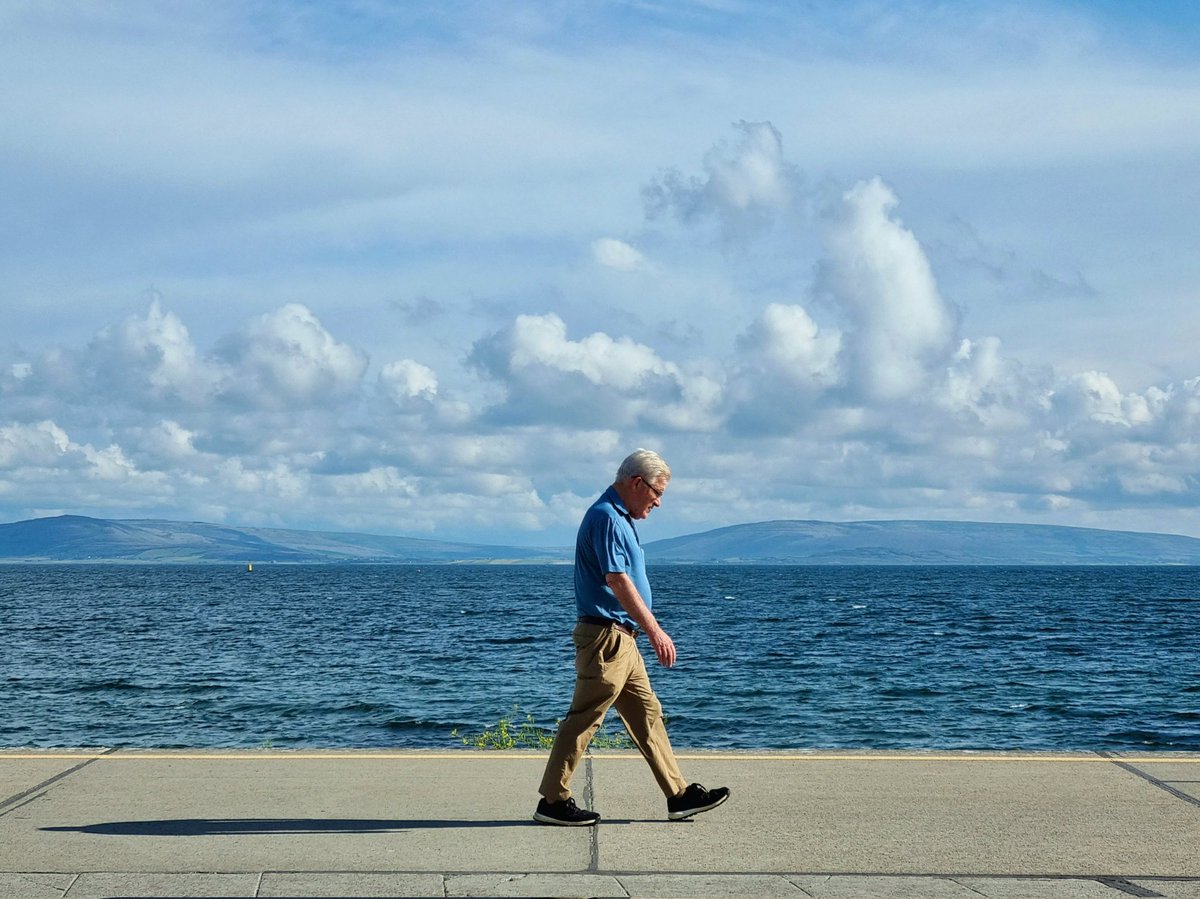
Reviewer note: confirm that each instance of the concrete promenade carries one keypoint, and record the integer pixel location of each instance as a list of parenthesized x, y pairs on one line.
[(264, 823)]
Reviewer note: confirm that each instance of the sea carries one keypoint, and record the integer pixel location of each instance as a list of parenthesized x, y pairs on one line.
[(769, 657)]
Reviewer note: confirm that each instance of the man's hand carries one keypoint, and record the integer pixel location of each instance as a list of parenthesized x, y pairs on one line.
[(664, 647), (631, 601)]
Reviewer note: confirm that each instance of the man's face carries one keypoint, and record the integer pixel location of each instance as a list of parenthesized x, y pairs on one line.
[(647, 495)]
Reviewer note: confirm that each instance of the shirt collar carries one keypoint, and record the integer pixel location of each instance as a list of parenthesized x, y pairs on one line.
[(613, 497)]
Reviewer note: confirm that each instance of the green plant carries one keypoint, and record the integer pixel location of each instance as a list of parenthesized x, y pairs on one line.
[(605, 740), (507, 733), (510, 733)]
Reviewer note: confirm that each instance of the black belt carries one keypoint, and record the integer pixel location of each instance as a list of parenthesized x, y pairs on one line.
[(608, 622)]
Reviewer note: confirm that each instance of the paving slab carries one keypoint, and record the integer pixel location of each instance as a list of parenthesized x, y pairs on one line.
[(843, 886), (356, 884), (681, 886), (35, 886), (154, 885), (904, 815), (1041, 888), (592, 885)]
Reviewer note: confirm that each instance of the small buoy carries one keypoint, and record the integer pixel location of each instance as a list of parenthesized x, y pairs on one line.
[(249, 566)]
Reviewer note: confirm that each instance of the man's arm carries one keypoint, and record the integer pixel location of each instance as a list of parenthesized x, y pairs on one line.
[(631, 601)]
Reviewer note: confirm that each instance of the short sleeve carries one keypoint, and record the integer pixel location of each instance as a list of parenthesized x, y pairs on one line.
[(609, 545)]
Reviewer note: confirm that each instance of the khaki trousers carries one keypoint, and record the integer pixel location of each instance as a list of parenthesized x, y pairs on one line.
[(609, 671)]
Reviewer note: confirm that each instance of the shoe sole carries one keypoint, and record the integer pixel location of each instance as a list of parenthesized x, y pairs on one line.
[(558, 822), (681, 816)]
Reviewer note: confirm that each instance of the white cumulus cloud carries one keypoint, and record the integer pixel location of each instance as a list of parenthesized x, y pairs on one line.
[(789, 345), (599, 378), (152, 357), (613, 253), (784, 362), (40, 445), (902, 327), (1094, 396), (540, 342), (994, 390), (286, 358), (406, 381), (744, 185)]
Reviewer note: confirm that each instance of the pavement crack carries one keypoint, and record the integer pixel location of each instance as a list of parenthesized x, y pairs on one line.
[(589, 801)]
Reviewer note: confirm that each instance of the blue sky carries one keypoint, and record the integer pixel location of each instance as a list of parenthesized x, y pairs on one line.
[(434, 268)]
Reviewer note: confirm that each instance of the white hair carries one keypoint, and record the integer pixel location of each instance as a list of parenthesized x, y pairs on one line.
[(645, 464)]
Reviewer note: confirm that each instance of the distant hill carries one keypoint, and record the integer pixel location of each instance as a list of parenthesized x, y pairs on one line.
[(923, 543), (75, 538)]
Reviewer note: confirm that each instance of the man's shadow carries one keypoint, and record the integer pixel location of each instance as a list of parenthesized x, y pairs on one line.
[(207, 827)]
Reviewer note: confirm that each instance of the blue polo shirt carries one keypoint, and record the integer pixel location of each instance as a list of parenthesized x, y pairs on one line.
[(607, 543)]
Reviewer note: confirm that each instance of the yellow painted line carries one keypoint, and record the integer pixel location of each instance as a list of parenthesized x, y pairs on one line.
[(129, 755), (941, 758), (483, 755)]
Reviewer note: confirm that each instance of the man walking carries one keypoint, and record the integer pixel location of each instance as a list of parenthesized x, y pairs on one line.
[(612, 598)]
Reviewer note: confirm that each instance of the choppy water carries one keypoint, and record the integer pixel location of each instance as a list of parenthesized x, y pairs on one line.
[(769, 657)]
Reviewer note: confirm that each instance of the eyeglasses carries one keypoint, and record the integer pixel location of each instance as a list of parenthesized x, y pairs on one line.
[(657, 493)]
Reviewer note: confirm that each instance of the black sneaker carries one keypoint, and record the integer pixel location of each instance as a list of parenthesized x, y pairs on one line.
[(695, 799), (565, 813)]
